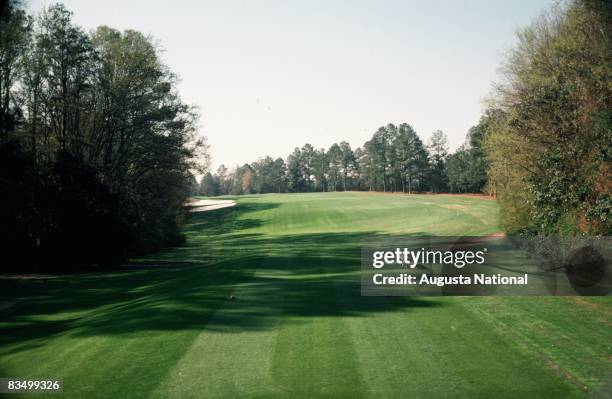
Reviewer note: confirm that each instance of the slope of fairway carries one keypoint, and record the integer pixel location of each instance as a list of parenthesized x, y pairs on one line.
[(264, 301)]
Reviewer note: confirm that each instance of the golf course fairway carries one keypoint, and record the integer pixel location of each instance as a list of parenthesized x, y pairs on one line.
[(264, 301)]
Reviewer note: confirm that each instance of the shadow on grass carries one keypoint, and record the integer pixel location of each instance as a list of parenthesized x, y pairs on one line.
[(225, 279), (227, 220)]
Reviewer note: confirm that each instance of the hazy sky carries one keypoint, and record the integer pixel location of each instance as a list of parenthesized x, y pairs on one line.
[(272, 75)]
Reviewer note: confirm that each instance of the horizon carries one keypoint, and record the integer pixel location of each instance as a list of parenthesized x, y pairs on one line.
[(256, 68)]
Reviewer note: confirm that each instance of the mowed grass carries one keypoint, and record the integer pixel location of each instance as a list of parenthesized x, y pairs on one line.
[(264, 301)]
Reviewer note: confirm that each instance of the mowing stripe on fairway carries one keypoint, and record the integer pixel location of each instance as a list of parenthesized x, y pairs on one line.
[(264, 301)]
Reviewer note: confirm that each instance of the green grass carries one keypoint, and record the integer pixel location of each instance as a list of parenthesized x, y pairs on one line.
[(298, 326)]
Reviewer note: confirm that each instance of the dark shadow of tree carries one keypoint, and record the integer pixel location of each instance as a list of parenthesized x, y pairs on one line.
[(224, 279)]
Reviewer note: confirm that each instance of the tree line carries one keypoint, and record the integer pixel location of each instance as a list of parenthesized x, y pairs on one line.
[(395, 159), (96, 147)]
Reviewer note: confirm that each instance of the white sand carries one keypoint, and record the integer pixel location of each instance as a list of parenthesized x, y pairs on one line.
[(208, 205)]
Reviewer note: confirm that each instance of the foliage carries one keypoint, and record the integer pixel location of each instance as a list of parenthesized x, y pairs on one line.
[(107, 147), (549, 145), (438, 152), (466, 171), (395, 159)]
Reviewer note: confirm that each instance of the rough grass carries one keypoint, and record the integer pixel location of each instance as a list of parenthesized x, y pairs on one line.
[(264, 301)]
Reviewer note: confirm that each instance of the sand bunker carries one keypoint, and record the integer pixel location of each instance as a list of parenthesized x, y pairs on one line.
[(208, 205)]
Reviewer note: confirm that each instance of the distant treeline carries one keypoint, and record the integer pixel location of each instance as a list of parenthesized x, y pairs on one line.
[(395, 159), (543, 145), (96, 148)]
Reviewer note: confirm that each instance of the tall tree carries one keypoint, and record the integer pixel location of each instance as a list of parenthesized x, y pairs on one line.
[(408, 150), (438, 151), (222, 176), (465, 171), (360, 172), (347, 163), (307, 160), (209, 185), (279, 171), (378, 149), (295, 172), (320, 170), (14, 36), (334, 157), (248, 179), (70, 63)]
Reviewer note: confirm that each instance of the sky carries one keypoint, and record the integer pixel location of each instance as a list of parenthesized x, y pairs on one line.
[(269, 76)]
